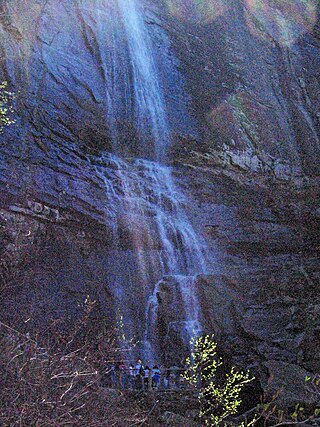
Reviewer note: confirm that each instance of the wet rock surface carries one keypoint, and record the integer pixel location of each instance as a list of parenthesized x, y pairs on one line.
[(248, 163)]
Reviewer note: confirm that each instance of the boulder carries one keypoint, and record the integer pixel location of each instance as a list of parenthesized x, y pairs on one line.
[(287, 385)]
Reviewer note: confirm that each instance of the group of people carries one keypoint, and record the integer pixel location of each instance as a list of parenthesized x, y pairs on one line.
[(143, 377)]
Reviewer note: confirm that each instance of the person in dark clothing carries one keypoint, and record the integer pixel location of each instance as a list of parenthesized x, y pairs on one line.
[(156, 374), (139, 375), (146, 376)]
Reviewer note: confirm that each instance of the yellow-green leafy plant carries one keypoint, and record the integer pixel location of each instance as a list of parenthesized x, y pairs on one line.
[(218, 399), (6, 99)]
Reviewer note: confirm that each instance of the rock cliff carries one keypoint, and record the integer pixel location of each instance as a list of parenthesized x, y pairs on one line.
[(240, 81)]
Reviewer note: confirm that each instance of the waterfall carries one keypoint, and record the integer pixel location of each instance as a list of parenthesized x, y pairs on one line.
[(157, 242), (150, 110), (142, 198)]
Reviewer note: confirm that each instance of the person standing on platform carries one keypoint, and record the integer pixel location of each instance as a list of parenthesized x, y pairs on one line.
[(156, 374)]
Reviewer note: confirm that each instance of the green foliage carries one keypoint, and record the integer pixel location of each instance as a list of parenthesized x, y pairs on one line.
[(6, 108), (218, 399)]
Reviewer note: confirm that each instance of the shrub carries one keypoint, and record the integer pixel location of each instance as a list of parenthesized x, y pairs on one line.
[(57, 381), (218, 400), (6, 99)]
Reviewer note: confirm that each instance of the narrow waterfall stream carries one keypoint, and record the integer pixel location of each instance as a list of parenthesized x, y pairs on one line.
[(146, 208), (150, 108)]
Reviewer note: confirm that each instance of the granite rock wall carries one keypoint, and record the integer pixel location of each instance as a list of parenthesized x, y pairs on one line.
[(245, 131)]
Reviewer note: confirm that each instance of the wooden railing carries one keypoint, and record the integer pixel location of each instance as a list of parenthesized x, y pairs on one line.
[(125, 379)]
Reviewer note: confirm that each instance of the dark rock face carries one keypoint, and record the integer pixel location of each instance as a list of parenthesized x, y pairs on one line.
[(253, 80), (243, 101)]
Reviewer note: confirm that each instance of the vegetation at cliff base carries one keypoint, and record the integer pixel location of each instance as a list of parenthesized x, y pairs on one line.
[(218, 399), (6, 108)]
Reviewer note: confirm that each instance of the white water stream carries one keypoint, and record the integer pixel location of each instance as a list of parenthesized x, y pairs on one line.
[(141, 193), (150, 108)]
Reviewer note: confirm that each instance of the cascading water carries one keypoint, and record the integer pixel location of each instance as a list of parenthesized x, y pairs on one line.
[(133, 89), (149, 100), (142, 198), (157, 241)]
